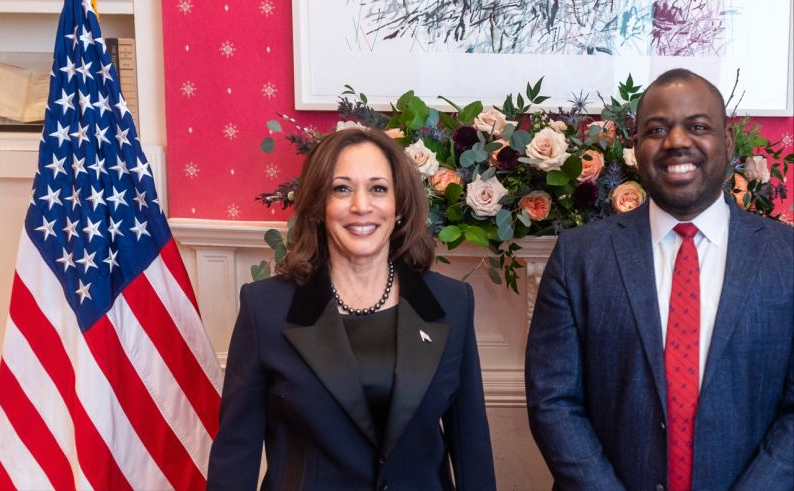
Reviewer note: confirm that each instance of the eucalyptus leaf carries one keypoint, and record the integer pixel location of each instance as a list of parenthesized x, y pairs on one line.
[(503, 216), (492, 147), (524, 218), (489, 173), (505, 232), (519, 140), (468, 158), (273, 238), (508, 132), (432, 118)]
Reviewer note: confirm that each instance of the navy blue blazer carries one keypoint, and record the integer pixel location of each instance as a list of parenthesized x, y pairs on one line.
[(595, 362), (291, 380)]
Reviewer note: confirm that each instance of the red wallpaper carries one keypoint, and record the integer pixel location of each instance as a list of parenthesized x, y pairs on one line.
[(228, 70)]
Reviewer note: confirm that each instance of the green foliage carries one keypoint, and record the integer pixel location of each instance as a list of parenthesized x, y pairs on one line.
[(545, 186)]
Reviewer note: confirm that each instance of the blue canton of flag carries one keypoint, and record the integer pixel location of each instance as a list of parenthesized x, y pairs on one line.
[(94, 214)]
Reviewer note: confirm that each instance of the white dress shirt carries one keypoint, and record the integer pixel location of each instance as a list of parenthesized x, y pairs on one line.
[(712, 246)]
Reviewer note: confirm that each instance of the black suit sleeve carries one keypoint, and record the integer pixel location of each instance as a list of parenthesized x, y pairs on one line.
[(466, 424), (237, 450), (555, 387)]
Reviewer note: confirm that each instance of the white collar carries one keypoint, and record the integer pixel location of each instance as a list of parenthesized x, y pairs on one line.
[(712, 222)]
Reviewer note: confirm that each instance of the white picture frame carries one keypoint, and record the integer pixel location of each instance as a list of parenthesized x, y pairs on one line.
[(331, 50)]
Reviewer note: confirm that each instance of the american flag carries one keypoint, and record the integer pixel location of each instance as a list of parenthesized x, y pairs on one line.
[(107, 380)]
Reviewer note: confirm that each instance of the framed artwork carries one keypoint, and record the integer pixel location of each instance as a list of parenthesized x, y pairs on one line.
[(485, 49)]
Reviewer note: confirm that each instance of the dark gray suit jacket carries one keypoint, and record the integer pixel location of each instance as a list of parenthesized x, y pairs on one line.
[(595, 362), (292, 381)]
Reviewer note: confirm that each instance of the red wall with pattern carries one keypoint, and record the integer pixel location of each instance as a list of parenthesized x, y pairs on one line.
[(228, 70)]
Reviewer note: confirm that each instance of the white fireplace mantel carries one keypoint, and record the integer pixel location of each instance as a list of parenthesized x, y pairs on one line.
[(219, 255)]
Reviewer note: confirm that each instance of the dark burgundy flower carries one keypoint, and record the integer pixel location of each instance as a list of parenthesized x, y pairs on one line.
[(507, 159), (464, 137), (585, 195)]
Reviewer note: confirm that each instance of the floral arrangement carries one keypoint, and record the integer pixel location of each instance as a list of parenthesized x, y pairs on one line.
[(502, 173)]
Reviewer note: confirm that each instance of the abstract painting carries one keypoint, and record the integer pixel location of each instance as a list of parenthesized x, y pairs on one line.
[(484, 49)]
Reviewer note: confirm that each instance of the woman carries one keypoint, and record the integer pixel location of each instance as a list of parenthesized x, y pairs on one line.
[(347, 363)]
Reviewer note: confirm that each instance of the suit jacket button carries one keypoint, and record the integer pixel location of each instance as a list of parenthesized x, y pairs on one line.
[(383, 486), (664, 427), (660, 487), (381, 461)]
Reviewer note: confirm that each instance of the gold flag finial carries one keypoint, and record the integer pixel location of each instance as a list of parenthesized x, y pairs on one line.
[(96, 10)]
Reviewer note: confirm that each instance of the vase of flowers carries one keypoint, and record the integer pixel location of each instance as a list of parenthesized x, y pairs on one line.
[(502, 173)]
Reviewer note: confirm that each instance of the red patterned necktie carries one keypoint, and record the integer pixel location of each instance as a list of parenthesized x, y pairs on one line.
[(681, 353)]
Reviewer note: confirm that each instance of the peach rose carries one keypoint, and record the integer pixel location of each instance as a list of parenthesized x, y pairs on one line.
[(424, 158), (443, 178), (627, 196), (608, 130), (483, 196), (491, 120), (755, 168), (395, 133), (346, 125), (537, 204), (739, 189), (558, 126), (591, 168), (629, 157), (549, 147)]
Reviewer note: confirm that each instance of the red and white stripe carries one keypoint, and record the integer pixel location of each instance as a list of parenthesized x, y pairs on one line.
[(130, 404)]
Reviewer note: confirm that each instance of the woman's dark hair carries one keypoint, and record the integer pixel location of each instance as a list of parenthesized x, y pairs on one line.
[(410, 242)]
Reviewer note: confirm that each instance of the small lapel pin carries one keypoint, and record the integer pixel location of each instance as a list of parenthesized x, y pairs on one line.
[(425, 337)]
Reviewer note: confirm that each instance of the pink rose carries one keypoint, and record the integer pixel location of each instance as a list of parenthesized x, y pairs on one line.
[(424, 158), (537, 204), (395, 133), (627, 196), (558, 126), (592, 167), (344, 125), (629, 157), (549, 148), (443, 178), (483, 196), (491, 120), (755, 169), (608, 130)]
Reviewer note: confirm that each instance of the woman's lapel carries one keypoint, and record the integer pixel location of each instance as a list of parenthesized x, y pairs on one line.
[(317, 332)]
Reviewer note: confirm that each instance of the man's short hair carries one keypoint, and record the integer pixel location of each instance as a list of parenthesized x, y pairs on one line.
[(677, 74)]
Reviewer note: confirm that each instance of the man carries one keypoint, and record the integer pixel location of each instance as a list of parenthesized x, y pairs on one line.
[(660, 356)]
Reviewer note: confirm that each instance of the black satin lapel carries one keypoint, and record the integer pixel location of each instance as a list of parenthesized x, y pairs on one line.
[(741, 271), (634, 254), (416, 364), (325, 348)]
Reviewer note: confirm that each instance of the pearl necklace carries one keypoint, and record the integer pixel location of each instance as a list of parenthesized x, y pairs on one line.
[(375, 307)]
